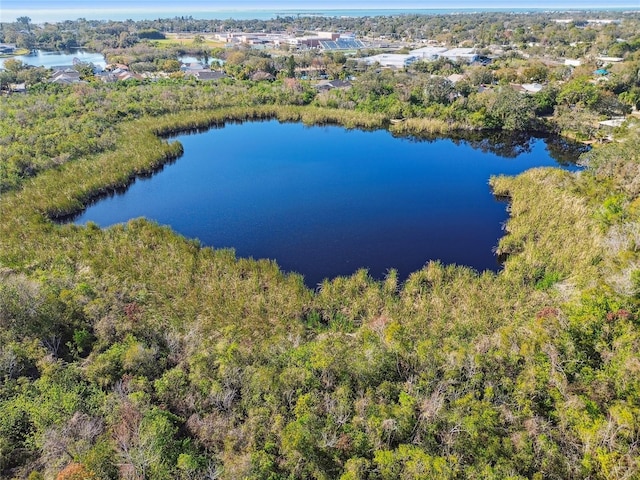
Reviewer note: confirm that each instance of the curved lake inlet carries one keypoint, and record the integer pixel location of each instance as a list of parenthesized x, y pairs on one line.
[(324, 201)]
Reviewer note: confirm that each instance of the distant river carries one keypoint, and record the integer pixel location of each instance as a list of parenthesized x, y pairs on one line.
[(324, 201), (42, 58)]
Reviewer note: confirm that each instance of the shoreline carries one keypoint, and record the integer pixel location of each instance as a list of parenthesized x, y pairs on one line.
[(18, 53), (159, 150), (58, 15), (171, 126)]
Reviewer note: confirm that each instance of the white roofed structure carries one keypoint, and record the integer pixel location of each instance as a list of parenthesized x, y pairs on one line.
[(393, 60), (468, 55), (428, 53)]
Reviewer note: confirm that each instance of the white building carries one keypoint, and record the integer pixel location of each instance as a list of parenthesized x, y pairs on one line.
[(601, 21), (428, 53), (229, 37), (312, 41), (392, 60), (467, 55), (614, 122), (610, 59), (532, 87)]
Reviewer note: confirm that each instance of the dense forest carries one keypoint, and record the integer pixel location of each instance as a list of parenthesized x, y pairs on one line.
[(132, 352)]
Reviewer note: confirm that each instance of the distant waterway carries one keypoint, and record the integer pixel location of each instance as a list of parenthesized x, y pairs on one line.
[(325, 201), (48, 59), (59, 13)]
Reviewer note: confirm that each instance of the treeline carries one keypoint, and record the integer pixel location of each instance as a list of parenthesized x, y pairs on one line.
[(54, 124), (427, 95), (536, 32)]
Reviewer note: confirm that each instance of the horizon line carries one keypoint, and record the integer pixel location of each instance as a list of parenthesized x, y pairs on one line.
[(45, 15)]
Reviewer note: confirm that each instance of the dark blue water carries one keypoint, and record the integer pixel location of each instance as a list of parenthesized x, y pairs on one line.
[(325, 201)]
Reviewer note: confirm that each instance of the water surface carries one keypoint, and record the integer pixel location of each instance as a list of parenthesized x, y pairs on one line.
[(48, 59), (58, 12), (325, 201)]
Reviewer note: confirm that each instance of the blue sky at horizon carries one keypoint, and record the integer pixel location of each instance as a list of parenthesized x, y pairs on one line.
[(48, 10), (318, 4)]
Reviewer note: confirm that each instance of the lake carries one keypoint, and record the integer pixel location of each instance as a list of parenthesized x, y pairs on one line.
[(42, 58), (325, 201)]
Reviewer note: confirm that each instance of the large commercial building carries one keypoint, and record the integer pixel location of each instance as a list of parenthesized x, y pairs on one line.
[(392, 60), (429, 54), (463, 55)]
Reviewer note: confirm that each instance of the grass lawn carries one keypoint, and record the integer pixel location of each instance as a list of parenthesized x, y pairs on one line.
[(174, 39)]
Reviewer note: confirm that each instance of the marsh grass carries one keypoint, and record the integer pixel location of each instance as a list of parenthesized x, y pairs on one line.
[(421, 126), (546, 243), (242, 356), (551, 232), (67, 189)]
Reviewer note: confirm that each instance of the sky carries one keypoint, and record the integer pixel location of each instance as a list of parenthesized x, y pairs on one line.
[(56, 10), (310, 4)]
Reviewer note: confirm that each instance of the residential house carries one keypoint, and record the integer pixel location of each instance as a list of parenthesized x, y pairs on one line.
[(613, 122), (117, 66), (7, 48), (192, 67), (205, 75), (128, 76), (569, 62), (455, 78), (65, 76), (326, 85), (18, 87), (528, 88), (609, 59), (261, 75), (107, 77)]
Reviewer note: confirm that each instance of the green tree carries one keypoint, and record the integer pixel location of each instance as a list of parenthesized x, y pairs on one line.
[(480, 76), (438, 90), (291, 67), (85, 70), (507, 109), (13, 65), (535, 72), (170, 65), (579, 92), (545, 100), (25, 21), (631, 97)]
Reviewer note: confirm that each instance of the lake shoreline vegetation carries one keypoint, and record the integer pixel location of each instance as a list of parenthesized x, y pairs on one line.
[(132, 352)]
